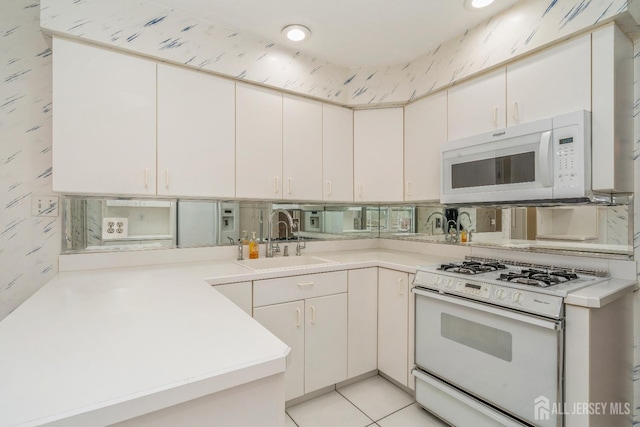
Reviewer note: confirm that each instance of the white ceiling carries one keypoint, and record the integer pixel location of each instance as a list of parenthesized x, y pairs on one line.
[(350, 33)]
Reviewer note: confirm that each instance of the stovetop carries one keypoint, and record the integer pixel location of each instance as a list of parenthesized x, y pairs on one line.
[(533, 277), (531, 288)]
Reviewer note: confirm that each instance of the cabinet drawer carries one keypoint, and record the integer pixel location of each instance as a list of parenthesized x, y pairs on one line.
[(274, 291)]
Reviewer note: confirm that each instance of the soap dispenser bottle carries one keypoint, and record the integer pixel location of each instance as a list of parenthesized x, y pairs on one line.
[(253, 247)]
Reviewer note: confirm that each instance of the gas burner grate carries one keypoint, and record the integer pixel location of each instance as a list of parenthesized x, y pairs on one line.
[(539, 278), (472, 267)]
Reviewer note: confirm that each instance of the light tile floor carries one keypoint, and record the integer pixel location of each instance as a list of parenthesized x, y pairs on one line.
[(371, 402)]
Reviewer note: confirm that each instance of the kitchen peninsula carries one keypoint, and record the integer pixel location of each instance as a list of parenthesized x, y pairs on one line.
[(105, 342)]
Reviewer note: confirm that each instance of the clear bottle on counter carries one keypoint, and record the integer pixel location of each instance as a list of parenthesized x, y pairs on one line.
[(253, 247)]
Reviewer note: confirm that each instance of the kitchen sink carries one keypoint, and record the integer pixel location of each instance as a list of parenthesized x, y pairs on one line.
[(283, 262)]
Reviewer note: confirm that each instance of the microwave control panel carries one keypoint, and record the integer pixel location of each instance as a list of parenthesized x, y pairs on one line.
[(569, 169)]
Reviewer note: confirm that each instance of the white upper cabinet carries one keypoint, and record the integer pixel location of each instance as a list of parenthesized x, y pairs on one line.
[(612, 115), (555, 81), (258, 143), (302, 148), (378, 155), (337, 153), (425, 130), (196, 133), (477, 106), (104, 121)]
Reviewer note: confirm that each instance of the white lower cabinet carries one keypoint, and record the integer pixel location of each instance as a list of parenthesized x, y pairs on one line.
[(393, 324), (309, 314), (325, 350), (363, 321), (286, 322)]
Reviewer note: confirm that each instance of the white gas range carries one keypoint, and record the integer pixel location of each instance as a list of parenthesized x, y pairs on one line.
[(490, 339)]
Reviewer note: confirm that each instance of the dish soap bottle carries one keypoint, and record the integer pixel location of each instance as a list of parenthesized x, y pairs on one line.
[(253, 246)]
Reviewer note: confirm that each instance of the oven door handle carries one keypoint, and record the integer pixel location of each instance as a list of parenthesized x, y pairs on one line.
[(555, 325)]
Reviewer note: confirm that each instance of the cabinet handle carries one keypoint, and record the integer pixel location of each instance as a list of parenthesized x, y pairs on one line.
[(305, 284), (298, 317), (400, 282), (516, 113), (277, 180), (408, 188), (329, 188), (313, 315), (360, 191), (290, 185), (166, 178), (146, 177), (495, 116)]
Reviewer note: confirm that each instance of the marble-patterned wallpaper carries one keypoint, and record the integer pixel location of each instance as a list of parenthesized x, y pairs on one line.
[(636, 226), (146, 28), (29, 245)]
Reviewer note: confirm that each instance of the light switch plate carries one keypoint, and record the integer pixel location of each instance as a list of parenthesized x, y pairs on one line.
[(44, 206), (115, 228)]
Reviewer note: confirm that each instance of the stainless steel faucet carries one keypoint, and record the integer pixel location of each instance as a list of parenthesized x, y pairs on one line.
[(292, 225)]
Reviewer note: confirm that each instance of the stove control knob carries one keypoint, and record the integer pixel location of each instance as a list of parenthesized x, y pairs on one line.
[(434, 280), (517, 297), (501, 293), (448, 283)]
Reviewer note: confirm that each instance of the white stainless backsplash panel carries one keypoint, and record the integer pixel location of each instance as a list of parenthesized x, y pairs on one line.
[(29, 246), (146, 28)]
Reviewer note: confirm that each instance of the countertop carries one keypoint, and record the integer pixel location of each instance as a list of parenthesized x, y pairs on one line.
[(96, 347)]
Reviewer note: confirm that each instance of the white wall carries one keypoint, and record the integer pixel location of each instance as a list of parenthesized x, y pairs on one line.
[(29, 246)]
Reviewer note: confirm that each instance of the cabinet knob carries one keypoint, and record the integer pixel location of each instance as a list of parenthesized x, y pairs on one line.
[(313, 315), (298, 317), (329, 188), (277, 182)]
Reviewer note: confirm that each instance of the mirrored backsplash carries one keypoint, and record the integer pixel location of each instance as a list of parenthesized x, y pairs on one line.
[(103, 224)]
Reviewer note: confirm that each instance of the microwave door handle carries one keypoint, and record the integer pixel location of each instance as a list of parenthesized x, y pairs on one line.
[(545, 166)]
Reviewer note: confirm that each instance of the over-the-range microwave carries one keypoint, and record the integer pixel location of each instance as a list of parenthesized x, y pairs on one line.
[(545, 160)]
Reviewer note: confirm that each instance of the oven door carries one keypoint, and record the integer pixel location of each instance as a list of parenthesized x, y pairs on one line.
[(511, 360), (514, 164)]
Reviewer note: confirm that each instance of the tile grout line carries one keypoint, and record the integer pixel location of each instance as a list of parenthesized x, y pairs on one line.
[(355, 406), (388, 415)]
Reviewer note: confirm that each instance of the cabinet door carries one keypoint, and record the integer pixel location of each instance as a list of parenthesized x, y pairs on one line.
[(363, 321), (337, 153), (196, 134), (378, 155), (612, 141), (477, 106), (286, 321), (325, 341), (393, 314), (555, 81), (258, 142), (411, 380), (302, 148), (425, 129), (238, 293), (104, 123)]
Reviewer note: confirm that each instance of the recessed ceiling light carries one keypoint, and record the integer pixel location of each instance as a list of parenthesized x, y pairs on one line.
[(476, 4), (296, 33)]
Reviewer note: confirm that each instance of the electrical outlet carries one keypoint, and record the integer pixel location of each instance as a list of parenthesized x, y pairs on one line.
[(44, 206), (115, 228)]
